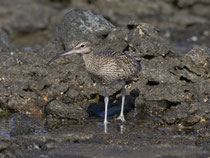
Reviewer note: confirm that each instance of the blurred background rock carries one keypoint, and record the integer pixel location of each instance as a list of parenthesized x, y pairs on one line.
[(184, 22)]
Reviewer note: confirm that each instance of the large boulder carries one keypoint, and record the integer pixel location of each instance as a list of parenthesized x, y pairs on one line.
[(24, 16), (182, 97)]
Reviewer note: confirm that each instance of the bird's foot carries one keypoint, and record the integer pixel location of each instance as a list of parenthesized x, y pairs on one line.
[(106, 122), (121, 117)]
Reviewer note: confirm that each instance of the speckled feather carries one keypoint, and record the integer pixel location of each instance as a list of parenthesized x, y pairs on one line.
[(108, 67)]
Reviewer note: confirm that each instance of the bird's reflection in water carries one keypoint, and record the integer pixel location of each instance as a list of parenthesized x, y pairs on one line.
[(105, 128), (121, 129), (110, 127)]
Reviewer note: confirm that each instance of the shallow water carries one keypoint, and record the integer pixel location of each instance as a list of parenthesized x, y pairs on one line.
[(93, 126), (8, 123)]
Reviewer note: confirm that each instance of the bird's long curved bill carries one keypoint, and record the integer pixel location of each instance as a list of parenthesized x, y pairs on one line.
[(66, 52)]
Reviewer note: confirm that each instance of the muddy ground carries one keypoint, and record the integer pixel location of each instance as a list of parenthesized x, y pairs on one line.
[(57, 110)]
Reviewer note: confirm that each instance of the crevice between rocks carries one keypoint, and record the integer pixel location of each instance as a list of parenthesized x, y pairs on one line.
[(152, 83), (170, 104), (187, 69), (149, 57), (126, 48), (6, 109), (182, 78), (175, 3)]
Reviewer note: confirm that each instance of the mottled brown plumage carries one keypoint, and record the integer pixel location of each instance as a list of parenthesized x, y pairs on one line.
[(106, 68)]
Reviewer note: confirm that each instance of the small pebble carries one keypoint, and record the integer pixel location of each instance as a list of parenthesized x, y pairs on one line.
[(194, 38)]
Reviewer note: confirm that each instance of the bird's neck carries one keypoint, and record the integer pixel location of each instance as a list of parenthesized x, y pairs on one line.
[(88, 59)]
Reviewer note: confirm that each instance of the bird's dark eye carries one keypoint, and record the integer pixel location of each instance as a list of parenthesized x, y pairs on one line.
[(82, 45)]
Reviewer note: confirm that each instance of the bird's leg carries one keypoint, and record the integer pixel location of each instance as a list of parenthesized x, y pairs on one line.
[(121, 117), (106, 101)]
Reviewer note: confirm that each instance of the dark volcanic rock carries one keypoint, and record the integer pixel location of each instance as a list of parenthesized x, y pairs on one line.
[(78, 24), (70, 112), (185, 23), (183, 3), (172, 90), (27, 83), (16, 79), (25, 125), (147, 40), (178, 92), (169, 83), (198, 61), (121, 12), (4, 43), (24, 16)]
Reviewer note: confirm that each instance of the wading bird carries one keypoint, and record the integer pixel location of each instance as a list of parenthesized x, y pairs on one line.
[(106, 68)]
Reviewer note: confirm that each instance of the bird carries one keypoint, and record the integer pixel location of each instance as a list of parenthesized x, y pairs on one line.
[(107, 68)]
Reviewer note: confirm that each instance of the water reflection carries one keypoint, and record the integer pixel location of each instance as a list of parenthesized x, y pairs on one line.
[(6, 125), (18, 124)]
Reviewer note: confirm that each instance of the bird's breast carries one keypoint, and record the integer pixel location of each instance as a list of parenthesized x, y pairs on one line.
[(110, 67)]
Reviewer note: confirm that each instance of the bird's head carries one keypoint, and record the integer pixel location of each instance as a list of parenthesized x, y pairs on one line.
[(78, 48)]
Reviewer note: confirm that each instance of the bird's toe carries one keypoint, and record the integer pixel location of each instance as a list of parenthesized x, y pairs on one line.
[(106, 122), (121, 117)]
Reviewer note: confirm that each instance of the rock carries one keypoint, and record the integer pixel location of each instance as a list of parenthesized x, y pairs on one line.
[(173, 88), (181, 111), (16, 80), (183, 3), (24, 16), (4, 145), (174, 24), (23, 105), (158, 70), (126, 11), (186, 20), (4, 43), (192, 120), (146, 40), (71, 112), (170, 117), (151, 107), (176, 92), (170, 92), (25, 125), (73, 28), (167, 80), (28, 83), (197, 61), (22, 82), (201, 109)]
